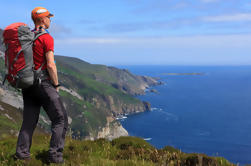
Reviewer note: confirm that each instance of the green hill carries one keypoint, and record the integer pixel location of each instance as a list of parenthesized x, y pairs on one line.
[(123, 151)]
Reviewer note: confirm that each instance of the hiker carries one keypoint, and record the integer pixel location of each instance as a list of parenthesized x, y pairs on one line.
[(43, 94)]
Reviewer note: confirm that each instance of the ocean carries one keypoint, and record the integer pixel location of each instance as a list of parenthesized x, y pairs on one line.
[(208, 113)]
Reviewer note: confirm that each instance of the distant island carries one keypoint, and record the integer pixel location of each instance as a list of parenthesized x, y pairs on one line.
[(183, 73)]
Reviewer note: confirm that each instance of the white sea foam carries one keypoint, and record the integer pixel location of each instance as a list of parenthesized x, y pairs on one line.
[(121, 117), (147, 139), (156, 109)]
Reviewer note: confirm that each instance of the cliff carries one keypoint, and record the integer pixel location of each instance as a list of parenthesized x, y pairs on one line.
[(91, 94)]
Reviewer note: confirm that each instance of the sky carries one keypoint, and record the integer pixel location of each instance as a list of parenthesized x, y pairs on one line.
[(144, 32)]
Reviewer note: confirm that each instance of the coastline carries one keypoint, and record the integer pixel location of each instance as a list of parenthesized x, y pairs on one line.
[(118, 118)]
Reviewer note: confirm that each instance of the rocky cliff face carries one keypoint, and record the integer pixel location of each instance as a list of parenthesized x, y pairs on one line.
[(117, 107), (112, 130), (12, 98), (1, 40)]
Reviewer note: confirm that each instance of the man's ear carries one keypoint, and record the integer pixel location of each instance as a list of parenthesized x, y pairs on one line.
[(42, 20), (39, 21)]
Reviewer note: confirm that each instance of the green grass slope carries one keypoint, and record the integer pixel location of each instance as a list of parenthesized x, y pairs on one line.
[(117, 78), (11, 120), (80, 76), (124, 151)]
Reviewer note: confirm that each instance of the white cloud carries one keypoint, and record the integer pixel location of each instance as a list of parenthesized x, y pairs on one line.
[(200, 41), (229, 18), (204, 49), (79, 41), (215, 49)]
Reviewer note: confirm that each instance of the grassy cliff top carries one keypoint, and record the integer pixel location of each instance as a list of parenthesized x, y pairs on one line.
[(127, 151)]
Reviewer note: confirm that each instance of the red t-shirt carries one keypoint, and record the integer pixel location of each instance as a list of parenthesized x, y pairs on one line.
[(42, 45)]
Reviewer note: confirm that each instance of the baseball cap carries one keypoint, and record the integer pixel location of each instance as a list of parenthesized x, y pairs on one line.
[(40, 12)]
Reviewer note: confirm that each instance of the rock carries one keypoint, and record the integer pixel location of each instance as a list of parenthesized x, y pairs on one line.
[(112, 130), (69, 120), (147, 105), (11, 98), (72, 92), (153, 91), (44, 119)]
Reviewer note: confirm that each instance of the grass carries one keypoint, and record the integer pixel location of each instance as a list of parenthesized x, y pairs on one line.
[(6, 123), (123, 151), (10, 119)]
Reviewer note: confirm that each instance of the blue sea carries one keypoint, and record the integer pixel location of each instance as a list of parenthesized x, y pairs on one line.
[(209, 113)]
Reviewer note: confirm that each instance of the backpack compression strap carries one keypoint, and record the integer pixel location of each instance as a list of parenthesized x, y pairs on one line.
[(39, 72)]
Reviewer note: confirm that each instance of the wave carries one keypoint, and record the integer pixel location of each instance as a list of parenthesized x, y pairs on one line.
[(156, 109), (121, 117), (147, 139)]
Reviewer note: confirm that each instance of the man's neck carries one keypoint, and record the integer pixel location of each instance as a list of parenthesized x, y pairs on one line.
[(40, 27)]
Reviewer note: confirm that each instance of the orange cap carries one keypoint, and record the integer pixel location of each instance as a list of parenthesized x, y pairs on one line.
[(40, 12)]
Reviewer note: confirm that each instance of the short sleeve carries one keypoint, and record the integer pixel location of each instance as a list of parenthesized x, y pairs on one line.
[(48, 43)]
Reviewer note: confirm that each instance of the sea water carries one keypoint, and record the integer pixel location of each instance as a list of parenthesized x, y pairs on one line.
[(208, 113)]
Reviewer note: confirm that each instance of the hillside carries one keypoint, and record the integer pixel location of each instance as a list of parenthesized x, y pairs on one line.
[(11, 120), (123, 151), (122, 80), (93, 95), (92, 105)]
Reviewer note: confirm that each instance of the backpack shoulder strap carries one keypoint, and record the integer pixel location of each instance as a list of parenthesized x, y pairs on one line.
[(38, 34)]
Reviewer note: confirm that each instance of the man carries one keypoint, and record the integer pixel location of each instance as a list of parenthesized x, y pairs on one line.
[(43, 94)]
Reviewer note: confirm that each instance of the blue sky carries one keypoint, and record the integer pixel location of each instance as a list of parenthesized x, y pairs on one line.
[(128, 32)]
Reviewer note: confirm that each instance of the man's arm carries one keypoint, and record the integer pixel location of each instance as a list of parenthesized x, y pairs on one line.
[(51, 67)]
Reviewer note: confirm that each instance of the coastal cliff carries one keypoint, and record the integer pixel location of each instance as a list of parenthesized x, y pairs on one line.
[(93, 95)]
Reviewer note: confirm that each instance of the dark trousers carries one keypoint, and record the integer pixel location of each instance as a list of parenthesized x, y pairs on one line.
[(44, 95)]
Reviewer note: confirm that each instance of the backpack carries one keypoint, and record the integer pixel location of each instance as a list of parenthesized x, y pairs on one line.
[(18, 40)]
